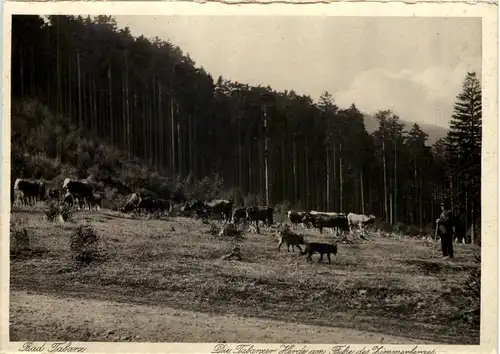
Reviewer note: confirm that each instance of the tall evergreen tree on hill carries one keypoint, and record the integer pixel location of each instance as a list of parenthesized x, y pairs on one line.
[(464, 146)]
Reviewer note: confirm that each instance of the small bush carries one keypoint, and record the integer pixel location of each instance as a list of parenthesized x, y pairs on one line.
[(471, 312), (51, 212), (214, 229), (84, 245), (66, 213), (20, 241)]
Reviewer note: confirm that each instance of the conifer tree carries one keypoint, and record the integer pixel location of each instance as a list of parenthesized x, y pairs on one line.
[(464, 145)]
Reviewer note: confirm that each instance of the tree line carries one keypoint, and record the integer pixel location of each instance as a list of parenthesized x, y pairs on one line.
[(149, 99)]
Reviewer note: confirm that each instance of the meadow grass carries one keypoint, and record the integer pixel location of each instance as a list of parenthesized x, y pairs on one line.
[(395, 286)]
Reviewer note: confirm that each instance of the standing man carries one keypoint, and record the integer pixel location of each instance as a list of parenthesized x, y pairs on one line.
[(446, 229)]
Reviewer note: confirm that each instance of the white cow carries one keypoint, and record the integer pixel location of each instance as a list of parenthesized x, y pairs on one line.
[(359, 220)]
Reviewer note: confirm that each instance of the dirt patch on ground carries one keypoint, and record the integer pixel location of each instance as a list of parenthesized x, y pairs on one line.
[(48, 318)]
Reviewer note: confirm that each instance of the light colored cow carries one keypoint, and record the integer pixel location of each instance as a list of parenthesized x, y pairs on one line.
[(359, 220)]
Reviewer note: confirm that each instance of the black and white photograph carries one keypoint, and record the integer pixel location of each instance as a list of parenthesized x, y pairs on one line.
[(246, 179)]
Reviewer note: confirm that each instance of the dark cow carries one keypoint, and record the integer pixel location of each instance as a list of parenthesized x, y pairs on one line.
[(215, 208), (260, 213), (239, 214), (296, 217), (334, 221), (220, 207), (163, 205), (32, 191), (95, 202), (148, 204), (54, 194), (81, 190), (68, 199), (196, 206)]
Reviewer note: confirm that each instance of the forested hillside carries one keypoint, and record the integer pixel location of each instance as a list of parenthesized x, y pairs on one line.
[(134, 112)]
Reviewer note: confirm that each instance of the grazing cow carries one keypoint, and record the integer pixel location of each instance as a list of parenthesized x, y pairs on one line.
[(163, 205), (321, 248), (54, 194), (215, 208), (239, 214), (334, 221), (132, 203), (96, 201), (32, 191), (68, 199), (81, 190), (296, 217), (197, 206), (222, 207), (148, 204), (260, 213), (290, 238), (359, 220)]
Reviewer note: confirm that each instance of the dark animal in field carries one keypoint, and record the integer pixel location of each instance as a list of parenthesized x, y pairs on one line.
[(163, 205), (359, 220), (139, 202), (148, 204), (260, 213), (334, 221), (321, 248), (32, 190), (54, 194), (68, 199), (81, 190), (239, 214), (290, 238), (296, 217), (218, 208), (96, 201)]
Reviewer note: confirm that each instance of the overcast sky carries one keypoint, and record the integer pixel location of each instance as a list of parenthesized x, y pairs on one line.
[(414, 66)]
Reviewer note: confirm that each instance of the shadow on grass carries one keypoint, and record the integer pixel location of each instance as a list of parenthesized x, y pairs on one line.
[(35, 252), (433, 267), (428, 267)]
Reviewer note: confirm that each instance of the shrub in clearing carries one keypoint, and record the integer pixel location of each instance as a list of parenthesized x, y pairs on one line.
[(51, 212), (473, 293), (66, 213), (20, 242), (84, 246)]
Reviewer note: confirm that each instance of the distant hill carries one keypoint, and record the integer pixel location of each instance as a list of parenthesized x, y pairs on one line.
[(435, 131)]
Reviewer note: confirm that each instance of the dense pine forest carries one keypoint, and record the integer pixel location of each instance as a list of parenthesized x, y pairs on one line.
[(91, 100)]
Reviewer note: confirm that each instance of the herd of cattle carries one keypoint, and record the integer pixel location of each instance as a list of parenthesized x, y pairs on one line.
[(80, 194), (73, 193), (223, 210)]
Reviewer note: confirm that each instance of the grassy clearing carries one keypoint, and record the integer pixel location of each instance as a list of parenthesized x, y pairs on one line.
[(385, 285)]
